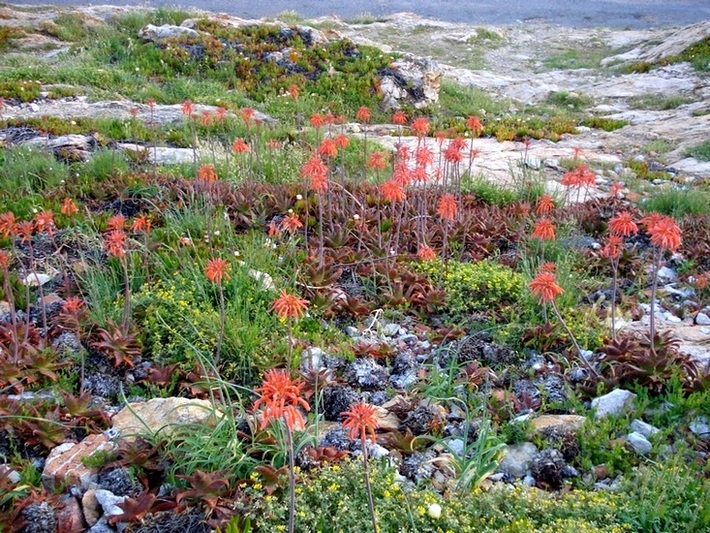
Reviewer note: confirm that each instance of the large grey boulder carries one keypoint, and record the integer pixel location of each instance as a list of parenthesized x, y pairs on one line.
[(151, 33)]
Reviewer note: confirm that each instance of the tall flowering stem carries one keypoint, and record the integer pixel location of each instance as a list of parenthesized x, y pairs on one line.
[(544, 286), (5, 267), (281, 397), (620, 226), (289, 307), (361, 421), (216, 271), (665, 236)]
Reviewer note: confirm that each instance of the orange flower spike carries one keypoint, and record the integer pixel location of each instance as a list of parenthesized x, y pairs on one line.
[(392, 191), (216, 270), (623, 225), (69, 208), (317, 121), (294, 92), (544, 230), (666, 234), (545, 205), (342, 141), (44, 221), (545, 287), (423, 156), (363, 114), (116, 243), (281, 395), (247, 114), (141, 223), (8, 224), (474, 124), (420, 126), (328, 148), (188, 108), (24, 230), (426, 253), (116, 223), (291, 224), (613, 247), (289, 307), (399, 118), (4, 259), (240, 146), (361, 420), (207, 173), (377, 161), (448, 207)]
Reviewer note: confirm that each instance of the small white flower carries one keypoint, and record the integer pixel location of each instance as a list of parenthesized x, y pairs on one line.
[(216, 232), (35, 210), (434, 511), (236, 253), (356, 217), (290, 211), (138, 69), (299, 197)]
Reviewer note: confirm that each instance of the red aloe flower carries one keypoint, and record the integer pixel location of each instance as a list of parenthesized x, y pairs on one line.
[(448, 207), (453, 153), (8, 224), (342, 141), (377, 161), (188, 108), (4, 259), (44, 221), (216, 270), (420, 174), (363, 114), (665, 234), (116, 243), (207, 173), (240, 146), (399, 118), (361, 420), (24, 230), (294, 92), (317, 120), (116, 223), (291, 224), (221, 114), (207, 118), (402, 174), (623, 225), (544, 230), (141, 223), (420, 126), (247, 114), (69, 208), (392, 191), (544, 286), (545, 205), (474, 124), (426, 253), (289, 306), (613, 247), (281, 396), (423, 155), (328, 148)]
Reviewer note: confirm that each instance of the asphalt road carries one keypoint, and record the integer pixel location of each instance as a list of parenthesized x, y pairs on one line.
[(573, 13)]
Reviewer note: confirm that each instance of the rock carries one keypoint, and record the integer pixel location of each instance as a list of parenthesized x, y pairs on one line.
[(411, 80), (161, 415), (312, 359), (64, 464), (676, 43), (666, 274), (40, 517), (109, 502), (639, 443), (557, 424), (548, 468), (101, 527), (391, 329), (154, 34), (119, 481), (702, 319), (365, 372), (424, 416), (615, 403), (517, 460), (69, 515), (700, 427), (647, 430), (336, 400), (71, 148), (91, 507), (35, 279)]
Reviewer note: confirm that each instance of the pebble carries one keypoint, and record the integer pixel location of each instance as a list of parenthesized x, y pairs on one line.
[(613, 403), (639, 443), (702, 319), (701, 427), (647, 430)]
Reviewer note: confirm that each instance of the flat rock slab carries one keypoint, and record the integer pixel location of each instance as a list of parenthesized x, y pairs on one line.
[(557, 424), (65, 466), (162, 415)]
